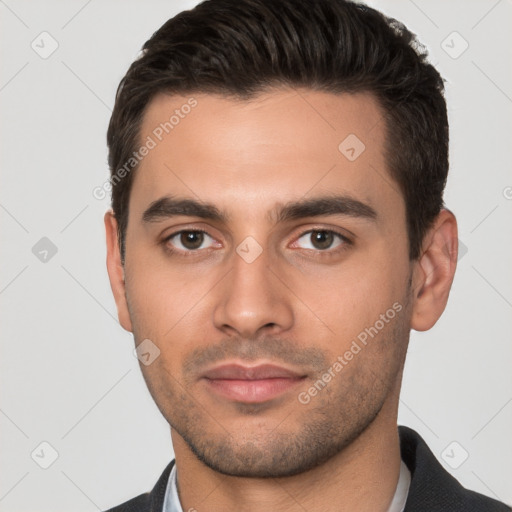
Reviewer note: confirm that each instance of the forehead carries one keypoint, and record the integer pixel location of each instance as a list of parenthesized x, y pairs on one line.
[(276, 147)]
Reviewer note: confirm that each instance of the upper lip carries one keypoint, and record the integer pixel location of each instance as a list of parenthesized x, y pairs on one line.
[(240, 372)]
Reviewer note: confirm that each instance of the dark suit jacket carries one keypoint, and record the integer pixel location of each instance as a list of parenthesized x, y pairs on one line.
[(432, 488)]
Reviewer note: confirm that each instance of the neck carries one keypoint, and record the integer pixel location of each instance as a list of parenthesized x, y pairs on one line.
[(362, 477)]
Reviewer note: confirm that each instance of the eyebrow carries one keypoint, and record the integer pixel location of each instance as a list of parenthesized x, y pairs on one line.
[(167, 207), (331, 205)]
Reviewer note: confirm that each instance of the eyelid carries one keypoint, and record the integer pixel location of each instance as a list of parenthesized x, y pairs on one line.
[(195, 227), (345, 239), (187, 252), (182, 230)]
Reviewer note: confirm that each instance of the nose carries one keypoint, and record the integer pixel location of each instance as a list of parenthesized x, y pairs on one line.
[(252, 300)]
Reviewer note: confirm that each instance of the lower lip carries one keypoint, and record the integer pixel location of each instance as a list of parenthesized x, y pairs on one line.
[(252, 391)]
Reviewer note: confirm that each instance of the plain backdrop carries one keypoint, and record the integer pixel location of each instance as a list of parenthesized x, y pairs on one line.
[(69, 378)]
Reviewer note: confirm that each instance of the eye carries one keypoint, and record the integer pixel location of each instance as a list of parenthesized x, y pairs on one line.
[(321, 240), (190, 240)]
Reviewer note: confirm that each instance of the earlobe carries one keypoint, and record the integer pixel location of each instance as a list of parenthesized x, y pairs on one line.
[(434, 272), (115, 270)]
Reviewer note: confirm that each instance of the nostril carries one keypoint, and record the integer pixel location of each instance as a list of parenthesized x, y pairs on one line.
[(271, 326)]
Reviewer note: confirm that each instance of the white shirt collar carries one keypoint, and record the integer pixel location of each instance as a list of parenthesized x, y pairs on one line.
[(172, 500), (402, 489)]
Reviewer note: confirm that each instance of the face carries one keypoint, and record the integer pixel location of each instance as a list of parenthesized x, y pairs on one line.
[(267, 260)]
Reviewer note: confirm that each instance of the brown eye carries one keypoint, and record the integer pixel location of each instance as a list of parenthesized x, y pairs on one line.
[(321, 240), (187, 241), (192, 239)]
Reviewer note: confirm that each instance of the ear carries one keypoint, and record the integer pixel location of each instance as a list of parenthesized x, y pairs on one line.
[(116, 271), (434, 271)]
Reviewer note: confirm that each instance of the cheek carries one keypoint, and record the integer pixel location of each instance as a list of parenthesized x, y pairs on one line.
[(168, 304), (153, 296), (350, 297)]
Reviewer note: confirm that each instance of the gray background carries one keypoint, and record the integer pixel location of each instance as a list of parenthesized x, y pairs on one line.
[(68, 373)]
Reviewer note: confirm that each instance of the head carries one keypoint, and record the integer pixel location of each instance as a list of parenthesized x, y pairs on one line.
[(277, 178)]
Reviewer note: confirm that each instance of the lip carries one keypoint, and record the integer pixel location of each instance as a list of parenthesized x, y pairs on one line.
[(240, 372), (251, 384)]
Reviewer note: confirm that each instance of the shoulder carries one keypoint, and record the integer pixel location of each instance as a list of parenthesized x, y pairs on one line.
[(432, 488), (152, 501)]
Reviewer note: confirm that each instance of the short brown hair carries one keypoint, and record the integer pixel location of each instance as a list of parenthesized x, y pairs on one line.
[(243, 47)]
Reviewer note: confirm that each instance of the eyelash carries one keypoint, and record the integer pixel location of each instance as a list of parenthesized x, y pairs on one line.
[(172, 251), (346, 242)]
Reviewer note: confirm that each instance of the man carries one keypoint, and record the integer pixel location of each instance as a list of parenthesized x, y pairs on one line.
[(277, 229)]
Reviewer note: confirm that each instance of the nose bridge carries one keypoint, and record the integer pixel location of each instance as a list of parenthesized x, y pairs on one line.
[(249, 278), (252, 297)]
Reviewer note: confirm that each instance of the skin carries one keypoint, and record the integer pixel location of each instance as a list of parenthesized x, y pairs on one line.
[(296, 305)]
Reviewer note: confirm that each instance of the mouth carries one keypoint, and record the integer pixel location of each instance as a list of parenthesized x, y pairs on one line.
[(251, 384)]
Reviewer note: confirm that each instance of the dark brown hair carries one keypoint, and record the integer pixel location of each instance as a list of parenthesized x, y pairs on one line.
[(243, 47)]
